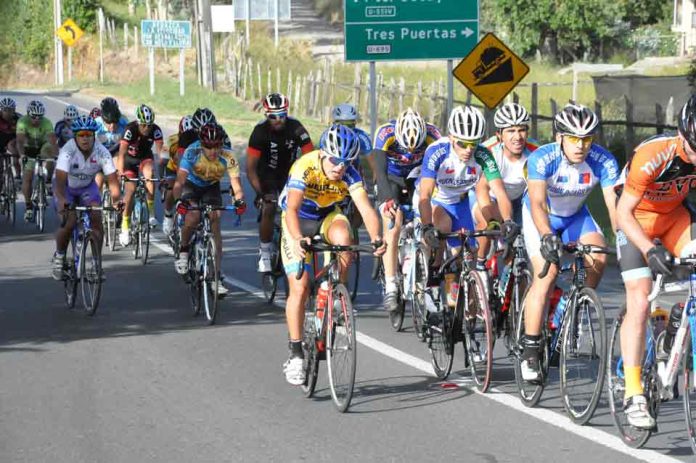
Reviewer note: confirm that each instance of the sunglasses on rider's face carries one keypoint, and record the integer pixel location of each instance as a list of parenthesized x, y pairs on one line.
[(573, 140), (213, 146), (466, 144), (277, 116), (35, 118), (340, 163), (84, 134)]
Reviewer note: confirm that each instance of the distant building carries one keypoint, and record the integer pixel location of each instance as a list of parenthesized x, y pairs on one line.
[(684, 22)]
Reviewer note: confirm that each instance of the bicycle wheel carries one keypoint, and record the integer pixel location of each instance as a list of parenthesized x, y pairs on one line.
[(40, 204), (309, 347), (418, 310), (90, 274), (440, 335), (354, 270), (341, 348), (478, 331), (144, 231), (194, 280), (135, 229), (269, 280), (209, 282), (689, 391), (633, 437), (530, 392), (519, 289), (70, 276), (11, 194), (583, 356)]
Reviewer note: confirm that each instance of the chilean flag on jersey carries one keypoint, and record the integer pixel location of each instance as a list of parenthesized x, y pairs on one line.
[(471, 170), (585, 177)]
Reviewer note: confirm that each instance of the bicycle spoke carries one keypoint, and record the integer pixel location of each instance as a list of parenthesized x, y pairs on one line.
[(341, 348), (210, 281), (90, 274)]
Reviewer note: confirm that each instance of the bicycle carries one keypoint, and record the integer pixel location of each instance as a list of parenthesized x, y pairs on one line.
[(470, 322), (8, 192), (577, 346), (330, 333), (109, 219), (269, 280), (353, 279), (659, 374), (39, 195), (140, 217), (83, 262)]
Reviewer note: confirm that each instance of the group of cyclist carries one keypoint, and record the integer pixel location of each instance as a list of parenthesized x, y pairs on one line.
[(453, 182)]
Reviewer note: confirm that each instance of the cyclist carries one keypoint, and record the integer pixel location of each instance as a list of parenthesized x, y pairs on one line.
[(453, 166), (95, 113), (78, 163), (177, 143), (398, 149), (112, 126), (318, 183), (652, 206), (201, 169), (561, 175), (63, 128), (8, 127), (203, 116), (35, 138), (272, 149), (135, 155)]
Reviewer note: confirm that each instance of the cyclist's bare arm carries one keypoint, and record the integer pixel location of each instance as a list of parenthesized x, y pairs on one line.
[(236, 183), (537, 202), (610, 200), (483, 199), (504, 205), (21, 143), (53, 140), (292, 219), (252, 175), (114, 188), (427, 186), (367, 212), (373, 167), (59, 188), (181, 175), (627, 222), (121, 161)]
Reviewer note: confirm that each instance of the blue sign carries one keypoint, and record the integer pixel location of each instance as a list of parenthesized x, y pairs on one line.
[(263, 10), (165, 34)]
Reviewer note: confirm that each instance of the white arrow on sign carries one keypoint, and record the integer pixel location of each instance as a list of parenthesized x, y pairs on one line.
[(467, 32)]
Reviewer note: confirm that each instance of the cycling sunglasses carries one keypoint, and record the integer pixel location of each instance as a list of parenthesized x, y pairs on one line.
[(35, 118), (466, 144), (277, 116), (338, 162), (573, 140), (212, 146), (84, 133)]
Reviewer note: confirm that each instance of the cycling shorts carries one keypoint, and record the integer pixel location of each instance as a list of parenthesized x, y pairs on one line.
[(31, 154), (309, 228), (460, 215), (169, 174), (85, 196), (516, 207), (675, 229), (571, 228), (131, 165), (197, 195)]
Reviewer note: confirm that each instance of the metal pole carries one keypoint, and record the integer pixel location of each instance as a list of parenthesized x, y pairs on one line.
[(151, 53), (575, 84), (210, 53), (69, 64), (55, 48), (181, 72), (248, 19), (373, 98), (277, 13), (135, 41), (450, 87), (199, 66), (59, 44), (101, 45)]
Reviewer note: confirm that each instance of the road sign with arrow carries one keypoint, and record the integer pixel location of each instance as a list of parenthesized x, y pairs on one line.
[(69, 32)]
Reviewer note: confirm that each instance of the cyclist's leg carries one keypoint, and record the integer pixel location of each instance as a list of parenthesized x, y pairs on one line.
[(583, 229), (484, 242), (335, 228), (12, 149), (63, 234), (147, 171), (269, 190), (49, 153), (27, 180), (211, 195), (130, 170)]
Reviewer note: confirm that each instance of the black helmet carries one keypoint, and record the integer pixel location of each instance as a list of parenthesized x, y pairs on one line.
[(110, 111), (687, 122), (201, 117)]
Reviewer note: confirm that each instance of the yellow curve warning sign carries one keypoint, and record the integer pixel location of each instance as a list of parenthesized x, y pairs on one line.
[(491, 70), (69, 32)]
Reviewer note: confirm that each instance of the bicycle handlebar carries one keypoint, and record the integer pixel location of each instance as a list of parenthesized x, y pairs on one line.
[(579, 250), (319, 245)]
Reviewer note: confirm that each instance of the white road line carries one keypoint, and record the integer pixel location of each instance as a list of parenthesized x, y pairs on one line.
[(547, 416)]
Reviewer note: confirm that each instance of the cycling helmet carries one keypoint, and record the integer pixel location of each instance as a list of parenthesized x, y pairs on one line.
[(35, 108), (201, 117), (84, 123), (8, 103), (211, 135), (341, 142), (466, 123), (70, 112), (510, 115), (345, 113), (110, 111), (410, 130), (185, 124), (687, 122), (95, 112), (275, 103), (577, 120), (145, 115)]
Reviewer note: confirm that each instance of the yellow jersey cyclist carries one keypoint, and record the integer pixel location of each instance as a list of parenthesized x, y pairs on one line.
[(202, 167), (652, 206), (35, 138), (177, 144), (561, 176), (398, 149), (454, 166), (318, 183)]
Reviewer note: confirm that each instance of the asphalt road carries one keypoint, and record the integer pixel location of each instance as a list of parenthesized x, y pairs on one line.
[(145, 381)]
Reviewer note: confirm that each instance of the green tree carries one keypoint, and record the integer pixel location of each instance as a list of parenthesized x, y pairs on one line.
[(83, 12)]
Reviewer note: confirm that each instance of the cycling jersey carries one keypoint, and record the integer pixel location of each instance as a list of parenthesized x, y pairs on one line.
[(8, 130), (512, 172), (139, 145), (454, 177), (204, 172), (63, 132), (277, 149), (321, 195), (37, 136), (81, 171), (569, 185), (363, 138), (399, 160), (111, 140), (178, 144)]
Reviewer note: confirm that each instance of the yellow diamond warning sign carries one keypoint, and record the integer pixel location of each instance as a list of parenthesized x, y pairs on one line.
[(491, 70), (69, 32)]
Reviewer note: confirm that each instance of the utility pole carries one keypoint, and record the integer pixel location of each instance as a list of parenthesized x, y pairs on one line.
[(210, 45), (58, 45)]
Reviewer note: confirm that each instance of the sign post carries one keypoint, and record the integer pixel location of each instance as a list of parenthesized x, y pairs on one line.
[(165, 34)]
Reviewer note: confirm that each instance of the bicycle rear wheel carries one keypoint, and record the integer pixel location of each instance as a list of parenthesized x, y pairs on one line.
[(90, 274), (418, 310), (70, 276), (108, 220), (530, 392), (689, 391), (341, 348), (616, 387), (135, 229), (194, 280), (40, 204), (309, 347), (269, 280), (440, 337), (144, 230), (478, 332), (583, 356), (210, 281), (520, 284)]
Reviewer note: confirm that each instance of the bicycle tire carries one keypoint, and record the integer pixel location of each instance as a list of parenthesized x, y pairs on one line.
[(584, 330), (90, 277), (478, 332), (418, 310), (194, 280), (134, 228), (309, 348), (40, 204), (210, 282), (353, 279), (689, 391), (106, 218), (144, 230), (440, 339), (11, 195), (341, 348), (70, 276), (530, 393), (269, 280), (633, 437), (520, 285)]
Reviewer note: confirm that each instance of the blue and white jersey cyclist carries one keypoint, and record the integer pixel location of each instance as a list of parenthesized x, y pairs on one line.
[(398, 149), (112, 125), (63, 128), (347, 115), (561, 176)]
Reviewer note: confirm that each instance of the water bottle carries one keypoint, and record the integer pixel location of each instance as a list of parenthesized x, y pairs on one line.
[(675, 315), (560, 310), (322, 299), (136, 212), (554, 301), (504, 279)]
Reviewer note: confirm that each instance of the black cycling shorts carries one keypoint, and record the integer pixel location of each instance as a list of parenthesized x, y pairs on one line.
[(197, 195)]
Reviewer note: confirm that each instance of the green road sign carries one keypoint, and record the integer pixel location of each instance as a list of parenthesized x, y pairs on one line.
[(387, 30)]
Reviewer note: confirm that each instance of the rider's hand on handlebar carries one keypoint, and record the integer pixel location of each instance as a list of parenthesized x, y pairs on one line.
[(297, 248), (551, 248), (660, 260), (430, 235), (240, 206), (509, 231), (380, 247)]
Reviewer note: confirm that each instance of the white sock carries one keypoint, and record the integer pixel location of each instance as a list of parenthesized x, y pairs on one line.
[(390, 284), (265, 247)]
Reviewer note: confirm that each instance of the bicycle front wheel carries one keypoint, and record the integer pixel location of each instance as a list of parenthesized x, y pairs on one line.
[(90, 274), (418, 310), (269, 280), (583, 356), (70, 276), (478, 332), (41, 204), (144, 231), (309, 348), (210, 282), (194, 280), (689, 391), (11, 196), (530, 392), (341, 348), (354, 269)]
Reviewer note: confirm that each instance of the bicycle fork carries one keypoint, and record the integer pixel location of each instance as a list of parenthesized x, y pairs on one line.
[(667, 371)]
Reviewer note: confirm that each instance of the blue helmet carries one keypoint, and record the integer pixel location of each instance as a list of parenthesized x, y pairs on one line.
[(85, 123), (341, 142)]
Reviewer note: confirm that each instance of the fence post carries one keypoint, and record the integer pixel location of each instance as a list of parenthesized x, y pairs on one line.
[(535, 110), (125, 36), (290, 87), (659, 118), (402, 93), (554, 107), (258, 73), (630, 130), (515, 97), (488, 115), (419, 94), (600, 131)]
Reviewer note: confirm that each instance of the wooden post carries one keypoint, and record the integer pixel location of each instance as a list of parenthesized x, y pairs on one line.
[(630, 130), (298, 87), (554, 107), (279, 82), (535, 110), (290, 87), (402, 93), (419, 95), (659, 118), (307, 89), (468, 97), (515, 98), (269, 82), (600, 129), (258, 73)]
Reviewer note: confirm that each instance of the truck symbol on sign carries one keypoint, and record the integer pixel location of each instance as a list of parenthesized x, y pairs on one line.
[(494, 66)]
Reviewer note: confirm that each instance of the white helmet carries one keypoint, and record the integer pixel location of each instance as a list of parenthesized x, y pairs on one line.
[(466, 123), (410, 130), (71, 112), (345, 112), (511, 115), (577, 120)]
